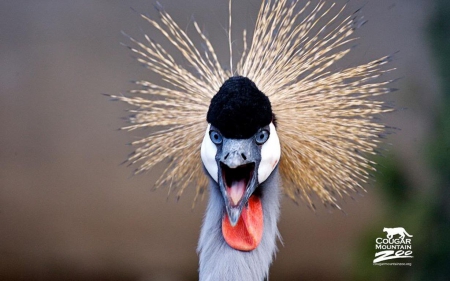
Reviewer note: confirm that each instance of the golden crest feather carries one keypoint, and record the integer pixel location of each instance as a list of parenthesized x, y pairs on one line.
[(325, 119)]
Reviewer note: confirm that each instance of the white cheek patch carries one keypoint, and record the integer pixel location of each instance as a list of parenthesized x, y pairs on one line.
[(270, 155), (208, 153)]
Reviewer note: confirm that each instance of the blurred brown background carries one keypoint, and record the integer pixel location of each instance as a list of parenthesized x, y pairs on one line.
[(69, 211)]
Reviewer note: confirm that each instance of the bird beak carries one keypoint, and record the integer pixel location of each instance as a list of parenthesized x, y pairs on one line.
[(238, 165)]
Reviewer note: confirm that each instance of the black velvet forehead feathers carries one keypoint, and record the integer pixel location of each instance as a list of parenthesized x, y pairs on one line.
[(239, 109)]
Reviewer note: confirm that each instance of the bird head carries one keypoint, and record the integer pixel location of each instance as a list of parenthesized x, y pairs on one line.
[(240, 150)]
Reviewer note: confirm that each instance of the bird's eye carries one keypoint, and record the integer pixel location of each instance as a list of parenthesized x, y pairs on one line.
[(216, 137), (262, 136)]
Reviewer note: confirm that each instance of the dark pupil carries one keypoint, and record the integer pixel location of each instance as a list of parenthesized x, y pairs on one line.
[(261, 136), (216, 136)]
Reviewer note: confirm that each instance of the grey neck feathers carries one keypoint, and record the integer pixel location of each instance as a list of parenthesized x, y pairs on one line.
[(218, 261)]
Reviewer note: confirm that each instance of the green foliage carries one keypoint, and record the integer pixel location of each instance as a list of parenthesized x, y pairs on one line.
[(426, 212)]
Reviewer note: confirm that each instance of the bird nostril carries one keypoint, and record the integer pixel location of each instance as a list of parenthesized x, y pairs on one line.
[(226, 156), (243, 156)]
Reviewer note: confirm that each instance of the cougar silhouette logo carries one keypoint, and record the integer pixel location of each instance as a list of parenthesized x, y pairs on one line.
[(397, 230)]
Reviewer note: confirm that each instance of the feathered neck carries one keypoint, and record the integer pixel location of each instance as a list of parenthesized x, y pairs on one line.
[(218, 261)]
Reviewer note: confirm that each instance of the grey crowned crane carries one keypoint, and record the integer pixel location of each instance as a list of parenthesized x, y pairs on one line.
[(282, 121), (240, 152)]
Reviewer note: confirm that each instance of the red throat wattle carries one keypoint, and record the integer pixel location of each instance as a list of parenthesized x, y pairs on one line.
[(247, 233)]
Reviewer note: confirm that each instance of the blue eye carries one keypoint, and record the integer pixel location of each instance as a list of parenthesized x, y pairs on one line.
[(262, 136), (216, 137)]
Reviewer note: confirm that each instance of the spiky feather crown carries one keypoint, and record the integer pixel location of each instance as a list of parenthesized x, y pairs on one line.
[(325, 119)]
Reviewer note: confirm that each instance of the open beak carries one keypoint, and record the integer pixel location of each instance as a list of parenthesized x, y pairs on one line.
[(237, 176)]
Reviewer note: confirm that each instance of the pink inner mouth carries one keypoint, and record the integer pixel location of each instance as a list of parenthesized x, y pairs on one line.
[(236, 181), (236, 191)]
